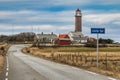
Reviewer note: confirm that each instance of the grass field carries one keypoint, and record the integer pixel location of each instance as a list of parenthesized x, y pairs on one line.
[(3, 50), (79, 49), (1, 62), (109, 58)]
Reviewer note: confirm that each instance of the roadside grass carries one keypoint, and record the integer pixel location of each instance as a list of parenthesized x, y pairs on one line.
[(3, 50), (28, 44), (79, 49), (109, 58), (1, 62)]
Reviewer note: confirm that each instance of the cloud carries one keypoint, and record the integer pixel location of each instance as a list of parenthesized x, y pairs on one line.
[(36, 28), (117, 22), (58, 22), (108, 2), (8, 0), (40, 4), (102, 18), (27, 16), (85, 2), (58, 29), (15, 27)]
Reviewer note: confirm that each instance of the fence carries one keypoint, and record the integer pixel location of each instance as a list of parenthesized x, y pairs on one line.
[(106, 60)]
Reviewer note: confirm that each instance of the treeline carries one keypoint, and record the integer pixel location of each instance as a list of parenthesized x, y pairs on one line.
[(102, 43), (106, 41), (21, 37)]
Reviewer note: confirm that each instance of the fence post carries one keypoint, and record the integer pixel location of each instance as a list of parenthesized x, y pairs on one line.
[(76, 58), (80, 58), (85, 59), (73, 58), (106, 61)]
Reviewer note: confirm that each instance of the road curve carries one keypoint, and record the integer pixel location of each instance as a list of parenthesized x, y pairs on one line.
[(25, 67)]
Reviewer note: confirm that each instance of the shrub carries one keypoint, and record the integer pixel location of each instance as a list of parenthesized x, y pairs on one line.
[(92, 45)]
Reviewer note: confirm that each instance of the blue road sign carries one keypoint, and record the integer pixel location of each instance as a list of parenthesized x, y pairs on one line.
[(98, 30)]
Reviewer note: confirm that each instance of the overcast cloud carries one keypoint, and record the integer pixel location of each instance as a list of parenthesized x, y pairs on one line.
[(58, 16)]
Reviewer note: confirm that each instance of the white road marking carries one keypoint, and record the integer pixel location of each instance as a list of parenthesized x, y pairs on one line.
[(75, 68), (6, 78), (7, 69), (91, 72), (7, 62), (6, 74), (111, 78)]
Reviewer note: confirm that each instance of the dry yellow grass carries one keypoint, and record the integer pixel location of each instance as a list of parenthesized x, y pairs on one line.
[(109, 62), (28, 44), (3, 50), (78, 49), (1, 63)]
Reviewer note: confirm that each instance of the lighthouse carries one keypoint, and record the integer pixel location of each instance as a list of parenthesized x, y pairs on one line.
[(76, 36), (78, 21)]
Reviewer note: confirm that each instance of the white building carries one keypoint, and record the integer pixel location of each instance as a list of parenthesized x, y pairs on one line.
[(77, 37), (45, 38)]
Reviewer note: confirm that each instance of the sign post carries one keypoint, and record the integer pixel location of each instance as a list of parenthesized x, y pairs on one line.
[(97, 49), (97, 31)]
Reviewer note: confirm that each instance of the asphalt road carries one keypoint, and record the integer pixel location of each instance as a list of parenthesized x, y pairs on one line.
[(25, 67)]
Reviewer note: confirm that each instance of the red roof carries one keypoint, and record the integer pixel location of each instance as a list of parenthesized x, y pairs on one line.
[(64, 39), (63, 36)]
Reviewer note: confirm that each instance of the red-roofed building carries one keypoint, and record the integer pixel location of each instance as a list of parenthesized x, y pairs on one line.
[(63, 39)]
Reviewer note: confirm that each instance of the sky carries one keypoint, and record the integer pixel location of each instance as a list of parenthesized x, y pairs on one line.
[(58, 16)]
